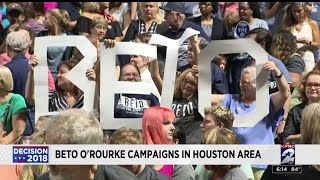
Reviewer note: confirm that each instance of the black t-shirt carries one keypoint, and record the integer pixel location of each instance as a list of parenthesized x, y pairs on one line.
[(151, 174), (293, 121), (114, 30), (83, 25), (308, 173), (139, 27), (188, 119)]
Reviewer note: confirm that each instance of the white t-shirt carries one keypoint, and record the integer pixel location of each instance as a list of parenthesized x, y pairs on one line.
[(119, 14)]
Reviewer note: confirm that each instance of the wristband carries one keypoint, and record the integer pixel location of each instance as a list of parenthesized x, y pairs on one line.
[(278, 77)]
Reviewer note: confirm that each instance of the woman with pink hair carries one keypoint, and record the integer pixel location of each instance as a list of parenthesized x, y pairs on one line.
[(157, 128)]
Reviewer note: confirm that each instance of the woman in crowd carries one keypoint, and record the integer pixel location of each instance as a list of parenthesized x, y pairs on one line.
[(30, 18), (284, 47), (185, 99), (305, 30), (150, 22), (223, 136), (310, 134), (243, 103), (211, 25), (57, 22), (250, 13), (90, 11), (13, 108), (99, 28), (66, 94), (121, 12), (158, 128), (309, 90), (114, 30)]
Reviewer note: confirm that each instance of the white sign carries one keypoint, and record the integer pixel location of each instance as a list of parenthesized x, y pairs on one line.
[(77, 75), (109, 86), (228, 47)]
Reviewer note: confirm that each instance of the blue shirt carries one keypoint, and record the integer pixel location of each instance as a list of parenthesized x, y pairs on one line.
[(263, 131), (19, 68)]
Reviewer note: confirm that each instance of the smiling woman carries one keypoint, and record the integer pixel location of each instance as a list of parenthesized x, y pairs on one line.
[(185, 106), (250, 13), (309, 90)]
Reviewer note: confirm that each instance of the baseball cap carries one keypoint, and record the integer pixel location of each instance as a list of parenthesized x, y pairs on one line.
[(14, 8), (176, 6)]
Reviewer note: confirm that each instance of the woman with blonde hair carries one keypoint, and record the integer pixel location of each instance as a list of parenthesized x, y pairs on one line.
[(150, 22), (310, 134), (223, 136), (305, 30), (13, 108), (57, 22)]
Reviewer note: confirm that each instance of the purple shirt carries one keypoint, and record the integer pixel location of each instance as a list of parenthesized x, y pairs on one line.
[(35, 26)]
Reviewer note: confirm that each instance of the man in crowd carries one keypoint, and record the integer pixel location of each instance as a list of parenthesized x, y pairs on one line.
[(132, 105), (218, 117), (175, 15), (76, 126)]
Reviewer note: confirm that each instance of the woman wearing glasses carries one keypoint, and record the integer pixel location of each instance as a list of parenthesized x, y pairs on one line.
[(309, 90), (263, 132)]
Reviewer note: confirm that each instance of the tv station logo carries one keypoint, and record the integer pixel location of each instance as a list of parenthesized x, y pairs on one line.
[(287, 154), (30, 154), (288, 157)]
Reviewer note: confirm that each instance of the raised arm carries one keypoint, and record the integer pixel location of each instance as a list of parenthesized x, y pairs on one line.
[(29, 92), (279, 98), (155, 74)]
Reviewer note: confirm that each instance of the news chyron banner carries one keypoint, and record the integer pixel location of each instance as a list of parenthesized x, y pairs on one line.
[(281, 156)]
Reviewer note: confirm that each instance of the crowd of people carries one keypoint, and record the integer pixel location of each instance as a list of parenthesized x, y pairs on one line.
[(288, 32)]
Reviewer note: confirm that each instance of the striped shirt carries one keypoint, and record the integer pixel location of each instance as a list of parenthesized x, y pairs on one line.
[(57, 102)]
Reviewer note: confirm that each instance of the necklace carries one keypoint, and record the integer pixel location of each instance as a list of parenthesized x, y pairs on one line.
[(298, 26)]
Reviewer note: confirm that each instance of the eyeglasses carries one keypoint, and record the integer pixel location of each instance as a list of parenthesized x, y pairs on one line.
[(310, 85)]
